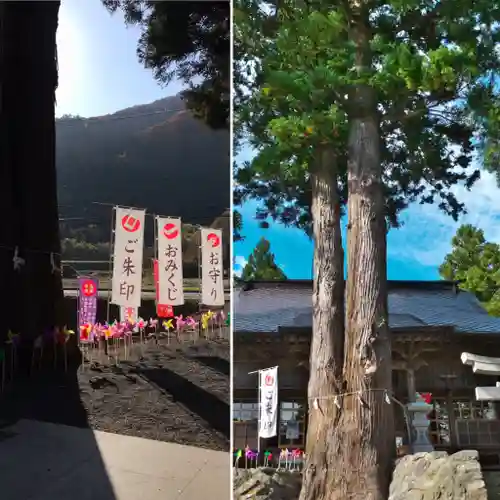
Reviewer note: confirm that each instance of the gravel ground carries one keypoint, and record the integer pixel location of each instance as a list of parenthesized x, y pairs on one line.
[(177, 393)]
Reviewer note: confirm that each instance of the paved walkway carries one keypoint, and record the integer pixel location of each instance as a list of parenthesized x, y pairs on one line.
[(41, 461)]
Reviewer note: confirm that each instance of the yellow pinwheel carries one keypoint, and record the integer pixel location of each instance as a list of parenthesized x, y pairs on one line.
[(168, 324), (67, 333), (204, 321), (13, 338)]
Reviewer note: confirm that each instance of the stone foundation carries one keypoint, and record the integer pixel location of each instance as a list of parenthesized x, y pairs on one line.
[(438, 476), (422, 476), (266, 484)]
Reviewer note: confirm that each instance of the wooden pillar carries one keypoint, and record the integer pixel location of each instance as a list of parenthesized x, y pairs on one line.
[(451, 418), (410, 380)]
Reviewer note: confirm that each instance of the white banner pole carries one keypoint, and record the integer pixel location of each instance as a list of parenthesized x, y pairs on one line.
[(111, 252)]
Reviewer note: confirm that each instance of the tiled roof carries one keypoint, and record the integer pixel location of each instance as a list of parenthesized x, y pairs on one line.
[(267, 306)]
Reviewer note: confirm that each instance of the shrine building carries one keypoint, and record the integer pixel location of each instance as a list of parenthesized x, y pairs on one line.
[(431, 322)]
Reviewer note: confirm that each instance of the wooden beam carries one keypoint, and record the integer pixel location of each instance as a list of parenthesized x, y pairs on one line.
[(488, 393), (469, 359), (480, 368)]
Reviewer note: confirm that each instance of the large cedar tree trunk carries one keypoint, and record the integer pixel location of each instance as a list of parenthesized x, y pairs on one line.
[(29, 106), (366, 427), (326, 355), (9, 215)]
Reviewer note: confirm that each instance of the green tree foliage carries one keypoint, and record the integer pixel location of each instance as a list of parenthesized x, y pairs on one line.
[(237, 226), (293, 97), (261, 264), (475, 262), (377, 104), (189, 41)]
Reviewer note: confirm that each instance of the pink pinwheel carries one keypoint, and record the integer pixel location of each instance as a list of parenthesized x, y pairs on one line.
[(127, 328), (221, 317), (180, 322), (251, 455), (191, 322), (114, 330), (141, 324), (153, 323), (99, 331)]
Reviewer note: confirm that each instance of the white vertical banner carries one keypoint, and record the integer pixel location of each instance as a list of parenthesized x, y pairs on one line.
[(212, 276), (268, 390), (170, 277), (127, 257)]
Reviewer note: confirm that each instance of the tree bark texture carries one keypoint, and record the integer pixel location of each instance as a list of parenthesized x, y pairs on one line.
[(367, 423), (28, 109), (9, 215), (327, 348)]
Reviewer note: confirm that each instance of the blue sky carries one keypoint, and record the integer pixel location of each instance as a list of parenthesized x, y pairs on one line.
[(414, 252), (98, 68)]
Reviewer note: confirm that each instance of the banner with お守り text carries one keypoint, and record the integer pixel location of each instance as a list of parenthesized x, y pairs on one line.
[(212, 278)]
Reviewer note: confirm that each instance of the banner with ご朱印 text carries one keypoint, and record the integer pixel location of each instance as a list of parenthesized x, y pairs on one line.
[(127, 257)]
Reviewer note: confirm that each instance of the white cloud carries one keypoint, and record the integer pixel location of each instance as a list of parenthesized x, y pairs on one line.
[(239, 263), (427, 233)]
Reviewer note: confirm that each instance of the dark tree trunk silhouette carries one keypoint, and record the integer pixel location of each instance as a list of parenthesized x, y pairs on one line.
[(29, 82), (9, 216)]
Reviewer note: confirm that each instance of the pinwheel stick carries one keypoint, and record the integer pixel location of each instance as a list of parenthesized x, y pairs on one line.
[(12, 360), (55, 351), (35, 349), (33, 360), (65, 356)]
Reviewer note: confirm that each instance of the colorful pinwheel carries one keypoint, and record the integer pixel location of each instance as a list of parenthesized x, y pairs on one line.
[(179, 322), (168, 324), (237, 455), (85, 332), (13, 339)]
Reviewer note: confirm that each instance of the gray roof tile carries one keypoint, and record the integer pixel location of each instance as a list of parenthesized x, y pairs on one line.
[(266, 308)]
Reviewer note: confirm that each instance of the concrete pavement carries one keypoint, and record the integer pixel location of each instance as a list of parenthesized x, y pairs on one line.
[(41, 461)]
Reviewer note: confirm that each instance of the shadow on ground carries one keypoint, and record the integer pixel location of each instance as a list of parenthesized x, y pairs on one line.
[(38, 462), (198, 401), (218, 364)]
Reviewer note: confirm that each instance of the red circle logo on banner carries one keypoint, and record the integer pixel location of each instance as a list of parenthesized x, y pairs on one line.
[(214, 239), (269, 380), (170, 231), (88, 288), (130, 224)]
